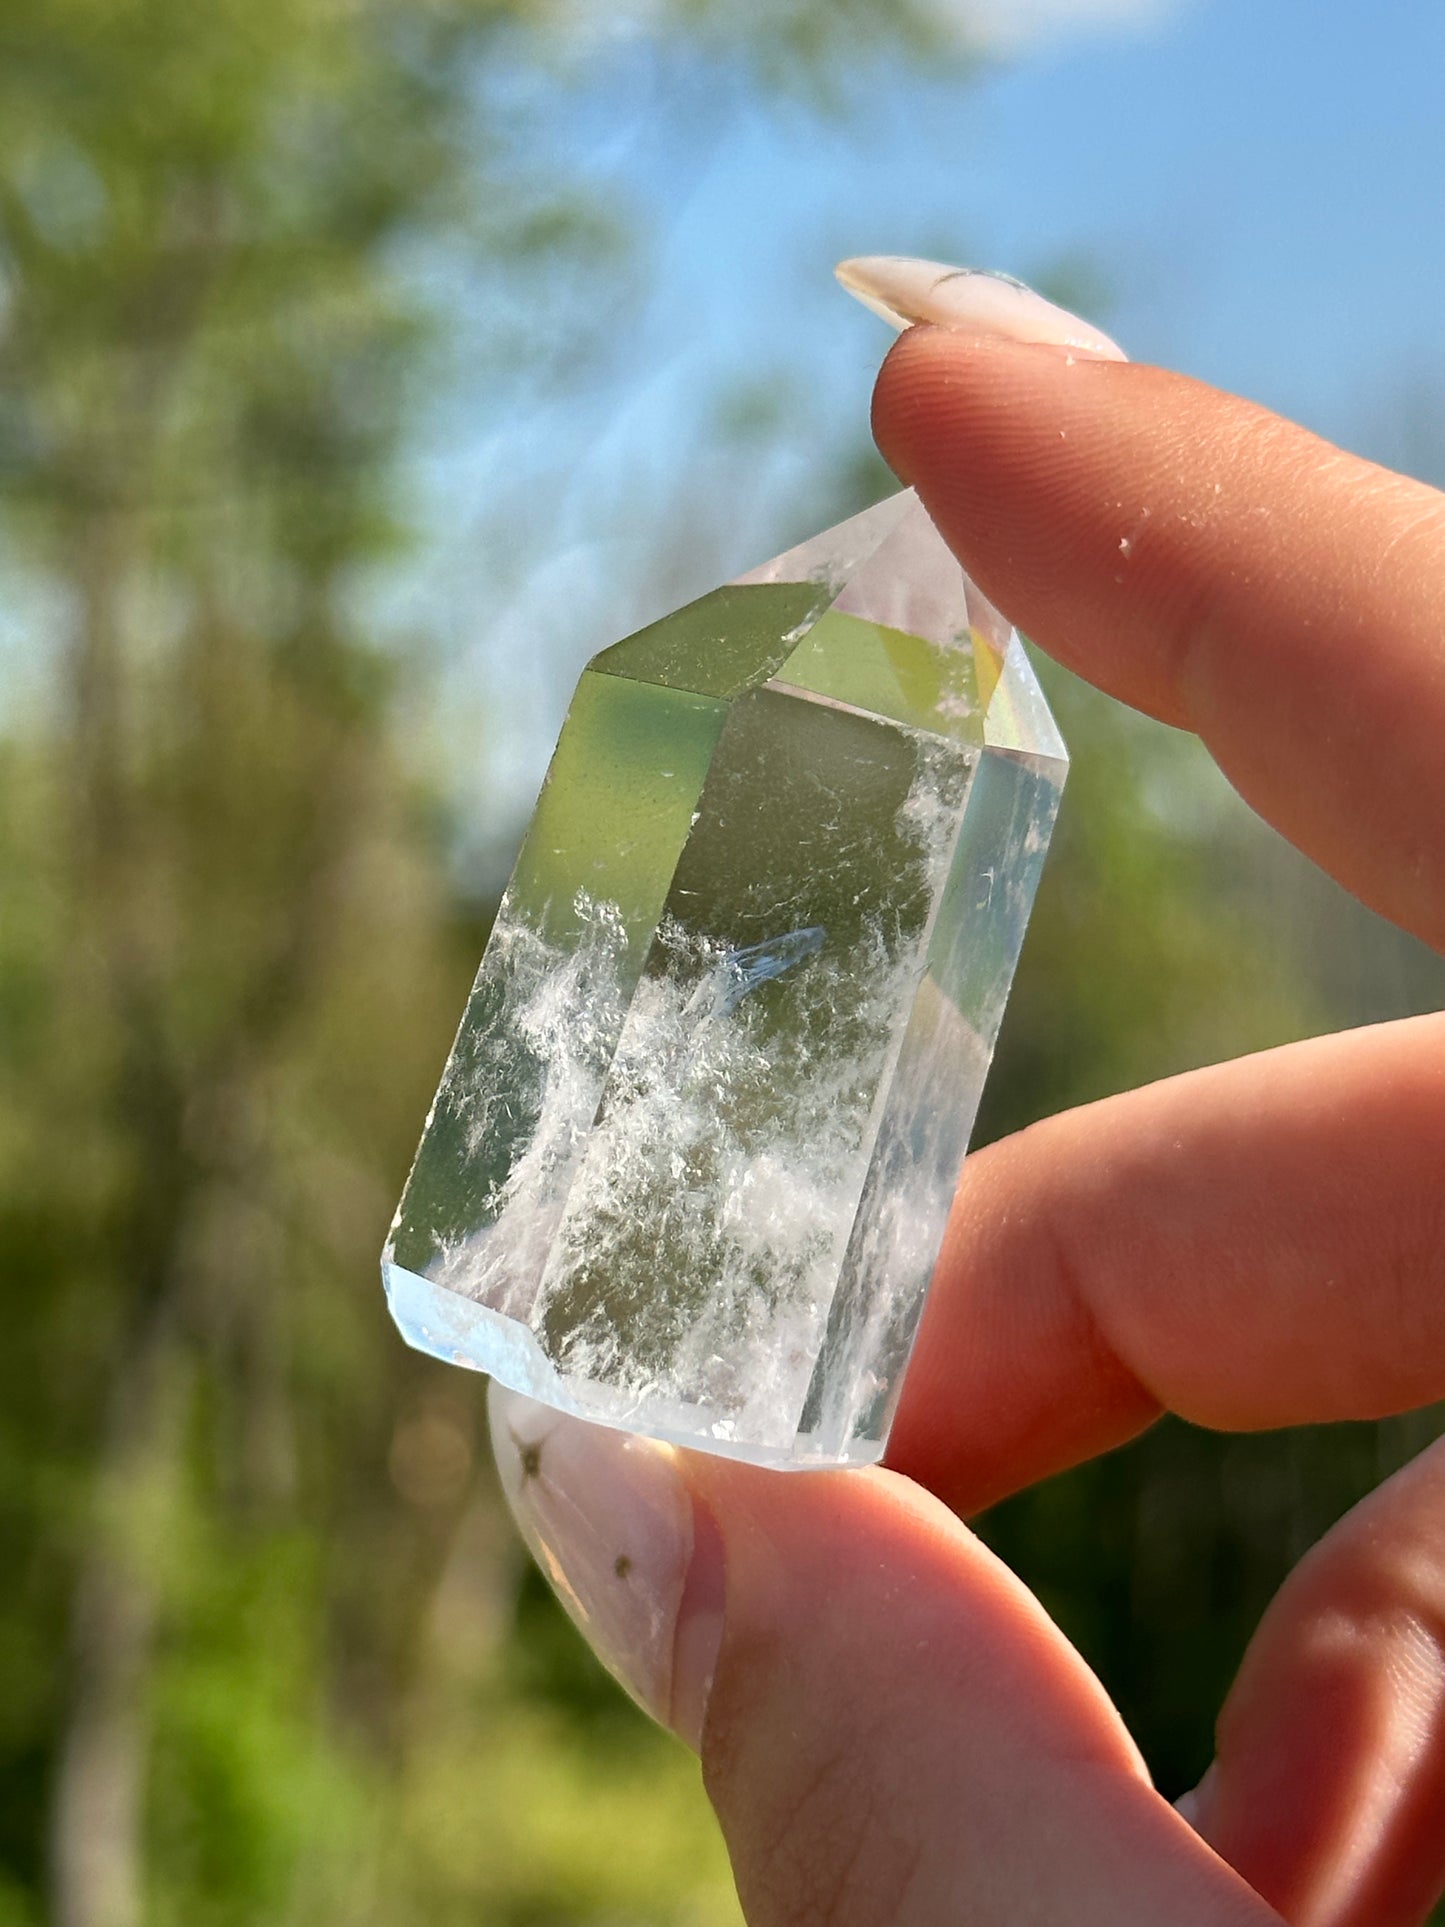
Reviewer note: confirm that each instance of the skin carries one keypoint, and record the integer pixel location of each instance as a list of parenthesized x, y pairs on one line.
[(896, 1733)]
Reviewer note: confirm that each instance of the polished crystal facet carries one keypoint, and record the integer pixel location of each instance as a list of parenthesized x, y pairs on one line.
[(693, 1151)]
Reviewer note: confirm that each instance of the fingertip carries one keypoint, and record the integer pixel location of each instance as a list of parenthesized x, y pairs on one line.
[(933, 378), (1041, 469), (1211, 564)]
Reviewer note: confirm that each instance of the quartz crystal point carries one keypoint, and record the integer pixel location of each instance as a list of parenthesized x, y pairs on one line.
[(691, 1159)]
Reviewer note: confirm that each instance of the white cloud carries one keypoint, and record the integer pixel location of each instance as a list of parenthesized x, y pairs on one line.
[(1015, 26), (1005, 27)]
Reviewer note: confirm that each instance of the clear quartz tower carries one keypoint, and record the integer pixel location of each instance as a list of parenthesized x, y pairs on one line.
[(693, 1152)]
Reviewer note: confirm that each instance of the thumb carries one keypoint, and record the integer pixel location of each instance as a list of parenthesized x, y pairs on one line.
[(891, 1729)]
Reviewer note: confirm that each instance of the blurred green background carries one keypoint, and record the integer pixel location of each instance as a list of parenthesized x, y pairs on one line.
[(363, 365)]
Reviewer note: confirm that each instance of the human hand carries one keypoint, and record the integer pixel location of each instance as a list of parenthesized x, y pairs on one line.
[(891, 1729)]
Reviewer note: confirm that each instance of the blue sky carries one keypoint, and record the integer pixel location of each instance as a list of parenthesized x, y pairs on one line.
[(1258, 187), (1260, 184)]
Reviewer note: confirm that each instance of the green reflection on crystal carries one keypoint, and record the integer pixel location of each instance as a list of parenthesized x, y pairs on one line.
[(614, 813), (617, 804), (721, 644), (927, 685)]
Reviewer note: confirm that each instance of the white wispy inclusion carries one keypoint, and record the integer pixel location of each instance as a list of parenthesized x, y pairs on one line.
[(726, 1163), (560, 1014), (691, 1159)]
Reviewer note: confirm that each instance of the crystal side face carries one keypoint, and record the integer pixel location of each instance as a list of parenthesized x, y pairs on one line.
[(693, 1152)]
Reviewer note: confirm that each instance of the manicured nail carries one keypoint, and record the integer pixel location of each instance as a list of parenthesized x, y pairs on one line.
[(904, 291), (611, 1523)]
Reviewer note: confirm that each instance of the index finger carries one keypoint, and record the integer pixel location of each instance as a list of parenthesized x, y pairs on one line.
[(1212, 565)]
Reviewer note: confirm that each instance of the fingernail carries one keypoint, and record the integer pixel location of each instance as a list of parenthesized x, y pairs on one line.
[(904, 291), (610, 1521), (1197, 1805)]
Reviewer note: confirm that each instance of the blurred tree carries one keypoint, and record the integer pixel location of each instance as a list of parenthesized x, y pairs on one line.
[(230, 957), (204, 357)]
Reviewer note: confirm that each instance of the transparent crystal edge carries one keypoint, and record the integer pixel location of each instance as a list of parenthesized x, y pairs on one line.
[(912, 582), (833, 555), (459, 1331), (1019, 717)]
